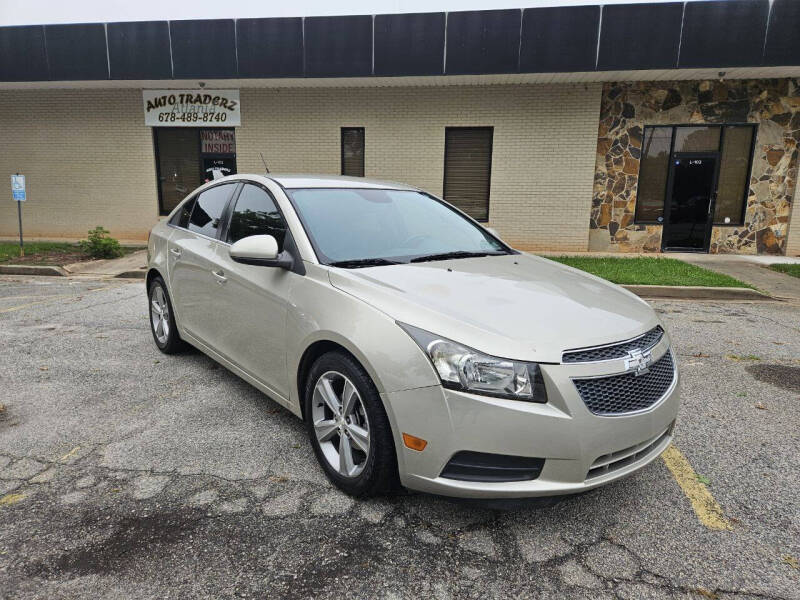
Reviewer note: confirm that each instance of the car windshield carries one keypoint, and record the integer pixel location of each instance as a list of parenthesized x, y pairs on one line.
[(369, 227)]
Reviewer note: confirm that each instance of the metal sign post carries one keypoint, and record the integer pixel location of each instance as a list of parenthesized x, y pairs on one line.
[(18, 193)]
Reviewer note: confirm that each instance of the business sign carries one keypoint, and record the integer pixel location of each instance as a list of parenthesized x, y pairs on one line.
[(191, 108), (217, 141), (18, 188)]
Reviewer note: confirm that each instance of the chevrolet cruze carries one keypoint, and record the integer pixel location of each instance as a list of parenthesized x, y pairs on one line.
[(418, 347)]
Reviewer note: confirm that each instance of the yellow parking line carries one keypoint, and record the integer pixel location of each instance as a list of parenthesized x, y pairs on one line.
[(708, 511), (52, 299), (11, 499)]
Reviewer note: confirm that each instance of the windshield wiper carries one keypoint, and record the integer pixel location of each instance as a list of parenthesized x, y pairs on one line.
[(456, 254), (363, 262)]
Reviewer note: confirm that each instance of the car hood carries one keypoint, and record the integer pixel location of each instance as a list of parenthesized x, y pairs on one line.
[(514, 306)]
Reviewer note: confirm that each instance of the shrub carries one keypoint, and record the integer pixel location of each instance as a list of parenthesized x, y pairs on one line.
[(100, 245)]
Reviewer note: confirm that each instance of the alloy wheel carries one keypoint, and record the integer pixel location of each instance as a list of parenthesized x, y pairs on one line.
[(159, 314), (341, 424)]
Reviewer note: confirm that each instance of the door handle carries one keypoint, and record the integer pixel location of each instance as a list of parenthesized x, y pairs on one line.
[(711, 201), (175, 252), (220, 276)]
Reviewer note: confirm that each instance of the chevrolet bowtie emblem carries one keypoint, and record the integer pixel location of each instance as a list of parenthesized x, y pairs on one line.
[(638, 361)]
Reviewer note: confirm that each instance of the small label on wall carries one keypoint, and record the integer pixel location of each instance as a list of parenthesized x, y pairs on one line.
[(191, 108)]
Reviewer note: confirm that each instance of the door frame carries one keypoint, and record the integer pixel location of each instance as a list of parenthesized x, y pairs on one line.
[(711, 202)]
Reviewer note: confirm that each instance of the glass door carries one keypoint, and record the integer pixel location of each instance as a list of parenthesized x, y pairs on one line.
[(187, 157), (690, 205)]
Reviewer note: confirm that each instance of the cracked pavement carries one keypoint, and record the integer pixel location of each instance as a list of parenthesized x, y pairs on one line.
[(128, 474)]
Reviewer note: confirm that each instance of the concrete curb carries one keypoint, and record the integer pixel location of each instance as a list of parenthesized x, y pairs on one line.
[(691, 292), (32, 270), (132, 274)]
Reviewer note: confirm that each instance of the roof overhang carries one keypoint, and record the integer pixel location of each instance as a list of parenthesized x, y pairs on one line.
[(418, 81)]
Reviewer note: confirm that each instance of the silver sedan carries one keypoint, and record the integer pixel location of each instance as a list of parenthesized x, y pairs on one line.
[(419, 348)]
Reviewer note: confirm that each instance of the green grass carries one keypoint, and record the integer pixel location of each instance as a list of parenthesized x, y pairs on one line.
[(649, 271), (793, 270), (48, 253), (9, 251)]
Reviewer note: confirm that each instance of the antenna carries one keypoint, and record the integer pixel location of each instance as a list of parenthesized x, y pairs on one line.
[(266, 168)]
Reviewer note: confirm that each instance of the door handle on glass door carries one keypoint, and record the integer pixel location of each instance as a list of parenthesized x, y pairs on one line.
[(711, 202), (220, 276)]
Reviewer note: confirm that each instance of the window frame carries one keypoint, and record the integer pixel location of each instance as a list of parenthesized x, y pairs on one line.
[(363, 150), (489, 128), (717, 154)]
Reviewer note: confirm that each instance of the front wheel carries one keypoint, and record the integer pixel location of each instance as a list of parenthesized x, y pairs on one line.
[(348, 427)]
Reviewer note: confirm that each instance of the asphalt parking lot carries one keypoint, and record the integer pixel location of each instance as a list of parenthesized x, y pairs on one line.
[(128, 474)]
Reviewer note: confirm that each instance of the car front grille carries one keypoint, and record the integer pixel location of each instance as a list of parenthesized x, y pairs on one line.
[(620, 394), (614, 351), (608, 463)]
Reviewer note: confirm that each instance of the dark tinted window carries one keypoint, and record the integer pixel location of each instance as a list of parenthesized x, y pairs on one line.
[(734, 174), (467, 169), (256, 214), (181, 218), (653, 173), (208, 209), (696, 139), (353, 151)]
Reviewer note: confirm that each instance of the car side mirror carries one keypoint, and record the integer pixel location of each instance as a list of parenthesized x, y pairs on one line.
[(262, 251)]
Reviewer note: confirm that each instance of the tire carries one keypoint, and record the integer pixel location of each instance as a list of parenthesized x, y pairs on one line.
[(169, 341), (374, 472)]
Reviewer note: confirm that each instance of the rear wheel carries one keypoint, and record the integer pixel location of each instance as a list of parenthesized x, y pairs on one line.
[(162, 319), (348, 427)]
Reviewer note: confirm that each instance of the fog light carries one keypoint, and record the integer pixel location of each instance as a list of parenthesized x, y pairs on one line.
[(414, 443)]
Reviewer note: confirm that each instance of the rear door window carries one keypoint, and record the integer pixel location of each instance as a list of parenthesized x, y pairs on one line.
[(208, 207), (181, 218)]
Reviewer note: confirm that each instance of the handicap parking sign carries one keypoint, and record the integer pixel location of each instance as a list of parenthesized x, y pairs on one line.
[(18, 187)]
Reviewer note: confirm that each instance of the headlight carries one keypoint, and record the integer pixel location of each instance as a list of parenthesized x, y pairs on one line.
[(463, 368)]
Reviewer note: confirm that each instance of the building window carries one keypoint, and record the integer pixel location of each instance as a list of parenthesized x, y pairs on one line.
[(732, 145), (467, 169), (353, 151), (734, 171), (653, 171)]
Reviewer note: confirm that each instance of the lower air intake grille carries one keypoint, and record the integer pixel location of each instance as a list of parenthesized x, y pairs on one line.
[(608, 463), (619, 394), (482, 466)]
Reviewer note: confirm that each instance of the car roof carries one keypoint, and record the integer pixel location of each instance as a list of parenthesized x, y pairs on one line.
[(297, 180)]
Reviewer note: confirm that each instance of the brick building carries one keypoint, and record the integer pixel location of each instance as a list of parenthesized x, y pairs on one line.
[(641, 127)]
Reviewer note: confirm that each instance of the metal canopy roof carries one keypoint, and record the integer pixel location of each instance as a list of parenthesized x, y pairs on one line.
[(670, 40)]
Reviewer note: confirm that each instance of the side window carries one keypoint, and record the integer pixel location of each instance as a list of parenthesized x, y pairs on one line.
[(208, 210), (181, 218), (255, 213)]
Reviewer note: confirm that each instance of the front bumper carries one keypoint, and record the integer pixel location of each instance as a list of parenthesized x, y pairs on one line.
[(581, 450)]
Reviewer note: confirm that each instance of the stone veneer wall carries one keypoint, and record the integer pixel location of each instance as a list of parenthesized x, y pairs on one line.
[(626, 107)]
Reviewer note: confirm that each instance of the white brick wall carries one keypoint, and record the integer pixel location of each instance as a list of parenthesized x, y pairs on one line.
[(544, 145), (89, 158)]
